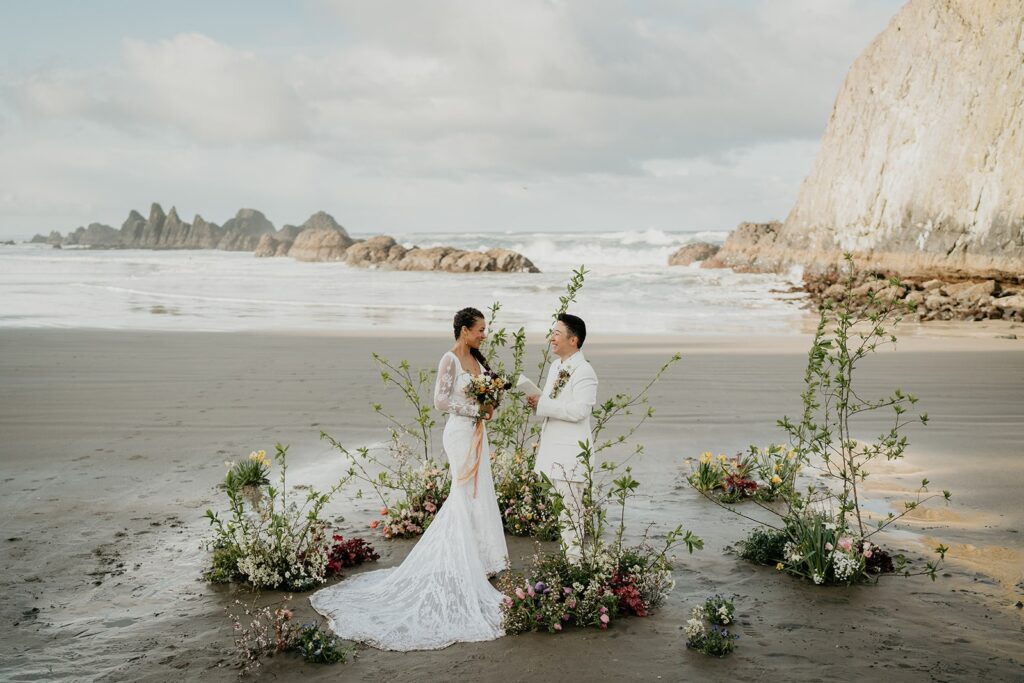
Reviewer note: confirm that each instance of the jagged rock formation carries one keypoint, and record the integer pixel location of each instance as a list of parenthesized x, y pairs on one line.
[(689, 253), (921, 169), (96, 235), (320, 238), (243, 232)]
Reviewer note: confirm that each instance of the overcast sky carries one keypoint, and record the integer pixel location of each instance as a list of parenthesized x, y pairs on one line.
[(430, 115)]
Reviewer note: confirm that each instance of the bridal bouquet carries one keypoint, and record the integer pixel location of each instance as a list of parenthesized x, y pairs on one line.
[(487, 389)]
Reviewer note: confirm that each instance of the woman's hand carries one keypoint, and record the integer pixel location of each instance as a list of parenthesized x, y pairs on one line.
[(488, 411)]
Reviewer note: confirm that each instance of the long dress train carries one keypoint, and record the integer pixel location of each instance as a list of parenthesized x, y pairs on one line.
[(440, 594)]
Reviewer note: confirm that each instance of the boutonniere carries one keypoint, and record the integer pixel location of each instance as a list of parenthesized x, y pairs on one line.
[(560, 381)]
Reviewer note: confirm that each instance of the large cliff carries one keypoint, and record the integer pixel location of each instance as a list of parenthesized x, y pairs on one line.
[(921, 168)]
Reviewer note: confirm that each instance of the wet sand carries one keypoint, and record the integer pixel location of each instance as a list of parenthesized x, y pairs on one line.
[(113, 444)]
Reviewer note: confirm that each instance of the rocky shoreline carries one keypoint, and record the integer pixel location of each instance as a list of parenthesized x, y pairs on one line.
[(320, 238), (931, 299)]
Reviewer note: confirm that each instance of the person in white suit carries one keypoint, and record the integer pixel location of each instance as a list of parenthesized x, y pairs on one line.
[(565, 403)]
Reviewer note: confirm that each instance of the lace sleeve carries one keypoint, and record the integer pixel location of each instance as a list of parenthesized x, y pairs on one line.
[(445, 389)]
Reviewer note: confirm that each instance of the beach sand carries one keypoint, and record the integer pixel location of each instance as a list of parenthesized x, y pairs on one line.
[(113, 444)]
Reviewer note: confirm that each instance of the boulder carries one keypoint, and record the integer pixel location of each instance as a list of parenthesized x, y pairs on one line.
[(698, 251), (467, 262), (1014, 304), (971, 291), (374, 252), (834, 292), (320, 245), (744, 245), (916, 298), (508, 261), (937, 302), (932, 284), (423, 259), (269, 245)]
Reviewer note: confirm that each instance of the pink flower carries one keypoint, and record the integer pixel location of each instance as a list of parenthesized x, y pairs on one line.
[(383, 511), (603, 610), (374, 524), (565, 617), (430, 507), (508, 601), (558, 627), (846, 543), (520, 594), (529, 591), (604, 618), (828, 546), (571, 602), (867, 554)]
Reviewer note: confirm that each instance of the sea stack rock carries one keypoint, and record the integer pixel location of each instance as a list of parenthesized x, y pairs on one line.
[(243, 232), (921, 168), (96, 236), (320, 239)]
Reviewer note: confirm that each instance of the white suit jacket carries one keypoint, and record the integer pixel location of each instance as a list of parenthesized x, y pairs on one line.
[(567, 418)]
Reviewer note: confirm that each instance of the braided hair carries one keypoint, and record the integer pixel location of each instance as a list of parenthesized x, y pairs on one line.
[(467, 317)]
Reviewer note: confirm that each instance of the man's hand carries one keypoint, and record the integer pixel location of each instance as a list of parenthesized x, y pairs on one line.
[(532, 401)]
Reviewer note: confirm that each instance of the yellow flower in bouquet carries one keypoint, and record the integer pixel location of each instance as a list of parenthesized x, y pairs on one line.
[(487, 389)]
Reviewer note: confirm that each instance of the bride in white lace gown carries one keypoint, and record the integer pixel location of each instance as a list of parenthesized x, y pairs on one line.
[(440, 594)]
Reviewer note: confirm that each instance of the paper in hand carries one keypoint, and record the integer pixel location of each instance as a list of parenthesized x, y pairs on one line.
[(527, 387)]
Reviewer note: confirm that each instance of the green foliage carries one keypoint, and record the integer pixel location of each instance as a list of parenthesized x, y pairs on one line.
[(267, 540), (253, 471), (262, 632), (764, 546), (526, 508), (320, 647), (828, 532)]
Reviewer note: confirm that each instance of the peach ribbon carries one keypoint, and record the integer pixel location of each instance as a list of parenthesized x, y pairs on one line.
[(476, 446)]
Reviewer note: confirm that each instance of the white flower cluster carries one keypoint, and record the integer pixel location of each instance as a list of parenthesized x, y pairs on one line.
[(818, 578), (695, 628), (654, 586), (269, 560), (844, 566), (792, 553), (724, 615)]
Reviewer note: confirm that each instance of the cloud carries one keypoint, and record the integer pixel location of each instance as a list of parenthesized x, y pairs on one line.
[(188, 84), (434, 115)]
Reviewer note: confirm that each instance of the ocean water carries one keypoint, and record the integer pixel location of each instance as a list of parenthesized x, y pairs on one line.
[(629, 289)]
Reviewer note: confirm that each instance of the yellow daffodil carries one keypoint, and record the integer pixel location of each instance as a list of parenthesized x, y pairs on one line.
[(777, 467), (705, 457), (780, 566), (721, 458), (776, 479)]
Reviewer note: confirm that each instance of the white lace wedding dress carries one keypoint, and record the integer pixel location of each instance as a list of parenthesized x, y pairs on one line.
[(440, 594)]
